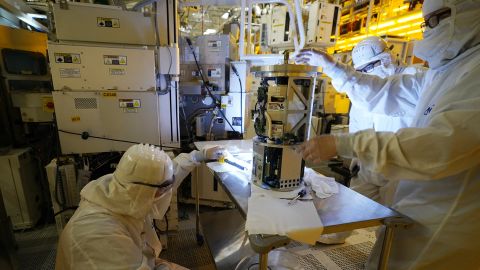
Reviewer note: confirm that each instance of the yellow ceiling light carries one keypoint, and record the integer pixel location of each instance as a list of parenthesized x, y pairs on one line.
[(358, 37), (412, 17), (399, 28), (400, 8), (382, 25), (410, 32)]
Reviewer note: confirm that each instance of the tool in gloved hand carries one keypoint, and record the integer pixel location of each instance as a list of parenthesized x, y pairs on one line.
[(301, 194)]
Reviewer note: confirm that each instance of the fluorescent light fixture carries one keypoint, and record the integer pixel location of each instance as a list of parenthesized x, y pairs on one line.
[(210, 31), (410, 17), (400, 8), (382, 25), (37, 16)]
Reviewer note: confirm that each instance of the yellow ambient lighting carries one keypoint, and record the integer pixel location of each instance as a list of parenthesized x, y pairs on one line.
[(382, 25), (411, 32), (399, 28), (400, 8), (410, 17), (358, 37)]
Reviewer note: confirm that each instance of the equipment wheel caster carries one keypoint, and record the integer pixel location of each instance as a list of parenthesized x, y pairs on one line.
[(200, 240)]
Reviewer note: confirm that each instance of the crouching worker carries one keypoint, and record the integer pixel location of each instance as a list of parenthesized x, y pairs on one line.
[(113, 226)]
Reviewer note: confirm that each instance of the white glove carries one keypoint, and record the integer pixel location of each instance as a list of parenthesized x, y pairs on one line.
[(314, 57), (214, 152)]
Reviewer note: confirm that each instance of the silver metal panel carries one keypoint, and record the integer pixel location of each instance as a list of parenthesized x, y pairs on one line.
[(347, 210), (225, 234), (285, 70), (136, 117), (102, 23), (76, 67)]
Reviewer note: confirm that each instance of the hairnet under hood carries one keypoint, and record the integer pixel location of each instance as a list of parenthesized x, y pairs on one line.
[(123, 199)]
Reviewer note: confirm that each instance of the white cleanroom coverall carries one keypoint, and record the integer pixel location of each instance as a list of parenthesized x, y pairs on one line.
[(113, 226), (437, 160)]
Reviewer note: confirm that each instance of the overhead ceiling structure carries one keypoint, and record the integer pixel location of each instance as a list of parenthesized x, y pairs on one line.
[(207, 19), (20, 10)]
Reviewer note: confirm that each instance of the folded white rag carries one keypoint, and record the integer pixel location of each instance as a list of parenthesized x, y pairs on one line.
[(269, 215), (323, 186)]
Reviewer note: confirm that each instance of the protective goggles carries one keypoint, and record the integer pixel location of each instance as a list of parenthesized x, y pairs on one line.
[(165, 185), (433, 19), (369, 68)]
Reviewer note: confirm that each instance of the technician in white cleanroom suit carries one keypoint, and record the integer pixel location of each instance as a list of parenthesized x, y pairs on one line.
[(113, 226), (373, 57), (437, 159)]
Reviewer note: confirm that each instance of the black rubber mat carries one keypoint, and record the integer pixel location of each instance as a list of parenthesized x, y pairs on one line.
[(183, 250)]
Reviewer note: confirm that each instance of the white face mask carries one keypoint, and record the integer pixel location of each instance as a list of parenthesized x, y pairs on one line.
[(433, 47), (161, 204), (383, 71)]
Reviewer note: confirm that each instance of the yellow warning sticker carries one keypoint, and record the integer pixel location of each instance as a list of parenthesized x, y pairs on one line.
[(115, 60), (109, 94), (75, 118)]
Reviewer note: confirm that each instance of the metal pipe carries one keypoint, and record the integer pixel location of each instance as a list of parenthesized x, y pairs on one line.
[(369, 16), (263, 261), (386, 248)]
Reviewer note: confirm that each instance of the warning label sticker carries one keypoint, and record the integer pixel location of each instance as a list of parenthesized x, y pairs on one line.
[(69, 73), (214, 72), (214, 45), (108, 22), (67, 58), (117, 71), (115, 60), (129, 103)]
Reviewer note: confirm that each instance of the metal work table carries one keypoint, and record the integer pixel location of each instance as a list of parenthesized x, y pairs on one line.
[(345, 211)]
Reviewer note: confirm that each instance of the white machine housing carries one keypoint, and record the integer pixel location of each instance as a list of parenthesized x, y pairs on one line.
[(129, 117), (34, 106), (112, 88), (280, 34), (216, 49), (236, 99), (70, 190), (323, 24), (19, 182), (82, 68), (101, 23)]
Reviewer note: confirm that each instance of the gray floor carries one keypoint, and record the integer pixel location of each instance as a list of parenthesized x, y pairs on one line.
[(37, 249)]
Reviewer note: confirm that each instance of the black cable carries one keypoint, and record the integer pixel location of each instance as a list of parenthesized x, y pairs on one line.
[(186, 124), (189, 42), (86, 135), (65, 209)]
